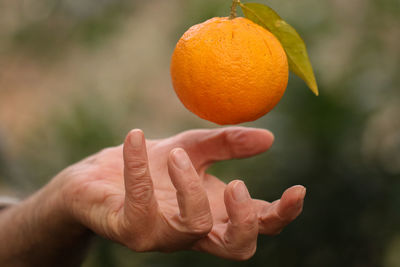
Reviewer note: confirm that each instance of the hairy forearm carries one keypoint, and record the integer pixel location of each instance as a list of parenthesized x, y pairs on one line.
[(38, 232)]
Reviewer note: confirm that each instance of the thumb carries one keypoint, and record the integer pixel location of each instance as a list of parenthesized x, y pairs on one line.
[(208, 146)]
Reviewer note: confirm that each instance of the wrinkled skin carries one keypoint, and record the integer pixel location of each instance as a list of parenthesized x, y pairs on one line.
[(155, 195)]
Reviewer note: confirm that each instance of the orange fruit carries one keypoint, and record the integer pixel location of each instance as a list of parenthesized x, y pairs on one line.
[(229, 71)]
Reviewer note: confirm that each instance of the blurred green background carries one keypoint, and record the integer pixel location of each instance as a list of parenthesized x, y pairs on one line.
[(75, 76)]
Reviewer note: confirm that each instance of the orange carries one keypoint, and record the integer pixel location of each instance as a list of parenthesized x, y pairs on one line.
[(229, 71)]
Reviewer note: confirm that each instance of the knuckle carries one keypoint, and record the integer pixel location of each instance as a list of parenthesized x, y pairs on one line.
[(272, 226), (105, 151), (200, 226), (136, 164), (244, 255), (134, 239), (137, 168), (240, 139), (227, 137), (141, 192), (194, 187), (276, 230), (139, 245), (250, 221), (240, 251), (185, 135)]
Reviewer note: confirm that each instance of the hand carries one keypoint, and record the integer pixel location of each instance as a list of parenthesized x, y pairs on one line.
[(156, 195)]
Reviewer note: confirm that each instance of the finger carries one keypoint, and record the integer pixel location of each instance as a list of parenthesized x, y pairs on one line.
[(275, 216), (241, 234), (207, 146), (195, 213), (139, 197)]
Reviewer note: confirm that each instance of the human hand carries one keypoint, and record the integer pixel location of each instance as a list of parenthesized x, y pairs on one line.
[(152, 195)]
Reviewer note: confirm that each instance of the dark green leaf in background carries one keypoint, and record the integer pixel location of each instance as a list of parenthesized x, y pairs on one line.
[(291, 41)]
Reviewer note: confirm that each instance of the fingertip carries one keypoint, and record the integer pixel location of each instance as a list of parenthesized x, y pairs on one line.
[(134, 147), (239, 191), (229, 189), (291, 203), (268, 134), (249, 141), (180, 159), (181, 170), (171, 156), (294, 194), (268, 138), (134, 138), (238, 201), (271, 137)]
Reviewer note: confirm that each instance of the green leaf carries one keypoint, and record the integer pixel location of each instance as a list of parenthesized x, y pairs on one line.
[(291, 41)]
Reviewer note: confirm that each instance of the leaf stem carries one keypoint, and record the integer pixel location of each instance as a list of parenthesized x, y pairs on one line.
[(233, 9)]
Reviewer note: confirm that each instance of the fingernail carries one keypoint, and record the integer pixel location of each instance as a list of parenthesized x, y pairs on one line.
[(303, 193), (136, 139), (181, 159), (272, 136), (240, 192), (300, 201)]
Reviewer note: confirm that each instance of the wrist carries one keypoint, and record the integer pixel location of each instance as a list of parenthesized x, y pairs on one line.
[(54, 206)]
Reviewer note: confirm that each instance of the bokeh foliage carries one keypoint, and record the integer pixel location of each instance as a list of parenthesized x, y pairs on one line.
[(344, 145)]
